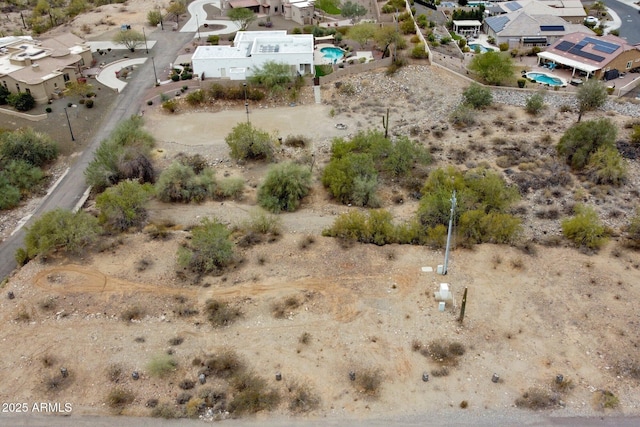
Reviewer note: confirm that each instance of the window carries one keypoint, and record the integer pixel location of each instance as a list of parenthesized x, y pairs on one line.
[(65, 76), (28, 91), (55, 85), (18, 87), (629, 64)]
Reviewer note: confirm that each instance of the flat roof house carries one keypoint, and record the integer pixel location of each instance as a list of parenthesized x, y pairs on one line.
[(569, 10), (42, 67), (251, 50), (601, 57)]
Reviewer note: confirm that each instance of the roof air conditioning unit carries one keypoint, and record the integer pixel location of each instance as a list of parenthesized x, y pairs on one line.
[(35, 66)]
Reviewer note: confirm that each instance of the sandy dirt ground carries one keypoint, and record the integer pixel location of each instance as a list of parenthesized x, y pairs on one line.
[(528, 317)]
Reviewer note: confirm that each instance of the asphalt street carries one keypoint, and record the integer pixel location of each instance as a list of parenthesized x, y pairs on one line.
[(72, 186), (629, 17)]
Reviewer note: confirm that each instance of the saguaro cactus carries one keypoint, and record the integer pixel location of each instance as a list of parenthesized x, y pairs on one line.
[(385, 124)]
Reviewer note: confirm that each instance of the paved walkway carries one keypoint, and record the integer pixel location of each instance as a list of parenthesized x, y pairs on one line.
[(104, 45), (107, 75), (198, 17)]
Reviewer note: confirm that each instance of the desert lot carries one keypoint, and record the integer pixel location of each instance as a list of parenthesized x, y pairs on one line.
[(314, 309)]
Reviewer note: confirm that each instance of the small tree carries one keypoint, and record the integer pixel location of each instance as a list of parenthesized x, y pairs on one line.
[(130, 39), (477, 96), (283, 188), (274, 76), (493, 67), (242, 17), (387, 36), (585, 228), (353, 179), (154, 17), (583, 139), (209, 249), (352, 10), (362, 33), (61, 230), (123, 206), (249, 143), (177, 8), (535, 104), (591, 96)]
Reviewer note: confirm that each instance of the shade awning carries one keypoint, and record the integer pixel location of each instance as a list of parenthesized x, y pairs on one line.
[(534, 40), (568, 62)]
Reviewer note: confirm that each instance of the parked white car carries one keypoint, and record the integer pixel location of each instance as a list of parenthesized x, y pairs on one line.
[(591, 20)]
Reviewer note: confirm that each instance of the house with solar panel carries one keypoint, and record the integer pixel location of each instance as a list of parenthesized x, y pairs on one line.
[(603, 57), (521, 30), (251, 50), (569, 10)]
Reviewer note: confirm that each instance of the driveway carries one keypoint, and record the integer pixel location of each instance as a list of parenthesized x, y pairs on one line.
[(107, 75), (198, 17)]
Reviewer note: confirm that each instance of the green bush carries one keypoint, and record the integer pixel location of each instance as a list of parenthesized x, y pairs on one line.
[(124, 155), (522, 83), (210, 248), (170, 105), (227, 188), (463, 116), (375, 227), (585, 229), (583, 139), (123, 206), (606, 166), (213, 39), (161, 365), (477, 96), (252, 395), (21, 101), (119, 397), (249, 143), (4, 94), (503, 47), (22, 175), (403, 155), (89, 103), (352, 179), (9, 194), (61, 230), (419, 52), (180, 184), (262, 222), (635, 135), (535, 104), (196, 97), (29, 145), (285, 185), (220, 313), (632, 235), (154, 17)]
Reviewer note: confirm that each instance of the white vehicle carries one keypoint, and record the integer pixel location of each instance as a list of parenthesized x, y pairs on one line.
[(591, 20)]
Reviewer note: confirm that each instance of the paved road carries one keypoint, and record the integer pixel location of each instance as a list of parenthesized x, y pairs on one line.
[(72, 186), (198, 17), (629, 17)]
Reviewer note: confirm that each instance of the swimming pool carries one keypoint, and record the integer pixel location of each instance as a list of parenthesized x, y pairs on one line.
[(546, 79), (478, 47), (333, 54)]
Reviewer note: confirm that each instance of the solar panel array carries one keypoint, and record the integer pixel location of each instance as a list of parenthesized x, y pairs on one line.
[(602, 46), (513, 6), (497, 23), (551, 27), (564, 46), (599, 45)]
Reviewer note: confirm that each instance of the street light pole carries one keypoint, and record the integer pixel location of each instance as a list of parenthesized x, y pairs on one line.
[(69, 123), (155, 82), (145, 41), (198, 25)]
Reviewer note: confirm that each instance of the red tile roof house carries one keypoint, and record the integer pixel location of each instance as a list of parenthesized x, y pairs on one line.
[(600, 57)]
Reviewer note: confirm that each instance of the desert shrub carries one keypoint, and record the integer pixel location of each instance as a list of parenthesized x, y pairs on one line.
[(368, 381), (537, 398), (583, 139), (166, 411), (282, 308), (213, 39), (170, 105), (220, 313), (285, 185), (534, 104), (477, 96), (403, 155), (61, 230), (89, 103), (252, 395), (476, 226), (249, 143), (209, 249), (635, 135), (585, 228), (119, 397), (297, 141), (28, 145), (444, 352), (123, 206), (186, 384), (9, 195), (262, 222), (375, 227), (21, 101), (132, 313), (302, 398), (419, 52), (196, 97), (114, 372), (352, 179), (229, 188), (225, 364), (21, 174), (154, 17), (604, 399), (161, 365), (463, 116), (632, 235), (180, 183), (606, 166), (124, 155)]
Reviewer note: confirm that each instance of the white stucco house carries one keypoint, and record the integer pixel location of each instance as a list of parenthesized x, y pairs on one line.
[(251, 50), (300, 11)]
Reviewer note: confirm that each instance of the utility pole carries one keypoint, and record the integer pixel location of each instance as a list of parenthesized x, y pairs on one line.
[(446, 253), (145, 41), (246, 102), (155, 82), (198, 25)]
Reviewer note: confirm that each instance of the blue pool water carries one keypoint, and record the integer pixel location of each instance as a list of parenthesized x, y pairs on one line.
[(545, 79), (474, 47), (332, 53)]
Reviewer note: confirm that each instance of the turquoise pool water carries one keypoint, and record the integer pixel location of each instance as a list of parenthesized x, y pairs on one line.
[(474, 47), (332, 53), (545, 79)]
